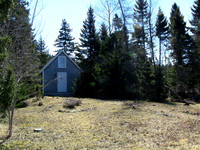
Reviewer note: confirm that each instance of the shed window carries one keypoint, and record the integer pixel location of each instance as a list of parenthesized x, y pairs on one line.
[(61, 62)]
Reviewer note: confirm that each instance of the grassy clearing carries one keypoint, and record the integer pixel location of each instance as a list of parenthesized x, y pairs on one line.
[(98, 124)]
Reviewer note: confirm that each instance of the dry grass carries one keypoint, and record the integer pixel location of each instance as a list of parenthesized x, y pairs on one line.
[(98, 124)]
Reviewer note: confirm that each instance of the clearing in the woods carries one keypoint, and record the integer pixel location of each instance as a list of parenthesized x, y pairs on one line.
[(104, 124)]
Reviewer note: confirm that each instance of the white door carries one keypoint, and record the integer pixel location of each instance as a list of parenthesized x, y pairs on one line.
[(61, 81)]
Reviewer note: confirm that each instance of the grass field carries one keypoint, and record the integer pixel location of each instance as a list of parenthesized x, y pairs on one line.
[(112, 125)]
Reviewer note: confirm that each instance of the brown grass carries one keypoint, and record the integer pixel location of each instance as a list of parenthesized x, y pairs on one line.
[(98, 124)]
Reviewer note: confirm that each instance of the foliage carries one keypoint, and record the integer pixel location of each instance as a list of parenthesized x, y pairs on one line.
[(88, 36), (19, 63), (181, 44), (4, 5), (194, 54), (89, 52), (42, 52), (65, 39), (162, 30), (8, 90), (115, 65)]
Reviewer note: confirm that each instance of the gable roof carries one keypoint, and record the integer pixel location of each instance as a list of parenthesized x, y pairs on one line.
[(52, 59)]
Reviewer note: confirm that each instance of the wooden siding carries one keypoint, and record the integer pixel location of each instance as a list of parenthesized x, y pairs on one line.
[(50, 74)]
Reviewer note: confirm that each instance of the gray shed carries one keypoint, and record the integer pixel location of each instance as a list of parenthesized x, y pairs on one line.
[(59, 74)]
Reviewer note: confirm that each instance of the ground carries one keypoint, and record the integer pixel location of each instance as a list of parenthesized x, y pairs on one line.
[(104, 124)]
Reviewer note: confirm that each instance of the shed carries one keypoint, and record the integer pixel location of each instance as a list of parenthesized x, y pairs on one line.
[(59, 74)]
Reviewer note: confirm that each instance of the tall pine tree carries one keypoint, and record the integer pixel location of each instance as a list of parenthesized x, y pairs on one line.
[(140, 17), (180, 42), (20, 68), (88, 36), (42, 52), (86, 86), (162, 31), (64, 40), (178, 35), (194, 55), (143, 65)]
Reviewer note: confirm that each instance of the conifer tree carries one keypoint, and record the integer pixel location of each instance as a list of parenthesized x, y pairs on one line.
[(86, 86), (162, 30), (194, 55), (42, 52), (88, 36), (20, 68), (144, 68), (178, 34), (180, 43), (140, 17), (5, 6), (103, 32), (64, 40)]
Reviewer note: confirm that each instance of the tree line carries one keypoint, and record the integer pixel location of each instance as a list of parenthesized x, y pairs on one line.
[(21, 57), (117, 63)]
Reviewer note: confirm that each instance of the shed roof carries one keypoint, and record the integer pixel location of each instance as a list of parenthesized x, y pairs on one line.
[(52, 59)]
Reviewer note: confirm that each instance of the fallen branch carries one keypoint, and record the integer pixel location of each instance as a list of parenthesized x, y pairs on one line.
[(179, 98)]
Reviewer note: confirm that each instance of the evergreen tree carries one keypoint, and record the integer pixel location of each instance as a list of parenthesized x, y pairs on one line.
[(144, 72), (162, 30), (195, 22), (180, 42), (86, 85), (194, 54), (117, 23), (42, 52), (103, 41), (64, 40), (4, 8), (140, 17), (103, 32), (88, 36), (178, 33), (8, 93), (18, 81)]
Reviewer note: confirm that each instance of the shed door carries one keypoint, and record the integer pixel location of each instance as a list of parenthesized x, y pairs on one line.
[(62, 82)]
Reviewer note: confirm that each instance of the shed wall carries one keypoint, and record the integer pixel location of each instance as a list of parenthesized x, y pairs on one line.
[(50, 74)]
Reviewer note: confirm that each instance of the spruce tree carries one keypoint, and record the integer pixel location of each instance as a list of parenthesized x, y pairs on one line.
[(178, 34), (103, 32), (20, 68), (194, 55), (4, 8), (88, 36), (42, 52), (145, 76), (64, 40), (162, 30), (87, 84), (195, 22), (180, 44), (140, 17)]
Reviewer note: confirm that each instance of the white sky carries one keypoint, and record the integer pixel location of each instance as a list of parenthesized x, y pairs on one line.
[(51, 12)]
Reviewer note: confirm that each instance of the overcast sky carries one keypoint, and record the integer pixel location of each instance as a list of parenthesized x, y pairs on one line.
[(49, 15)]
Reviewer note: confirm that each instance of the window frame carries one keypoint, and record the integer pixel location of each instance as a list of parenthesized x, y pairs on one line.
[(61, 63)]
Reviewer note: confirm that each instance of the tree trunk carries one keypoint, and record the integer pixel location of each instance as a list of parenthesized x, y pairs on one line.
[(160, 51), (10, 120)]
